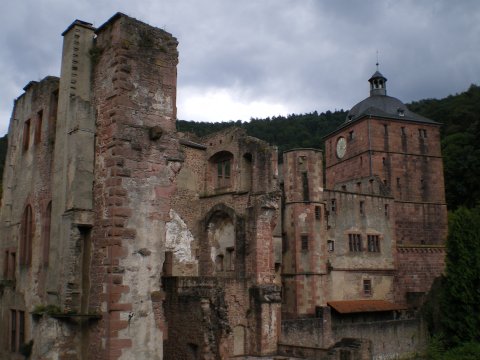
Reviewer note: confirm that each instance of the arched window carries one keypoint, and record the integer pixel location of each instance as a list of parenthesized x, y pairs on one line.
[(222, 164), (26, 236), (46, 233)]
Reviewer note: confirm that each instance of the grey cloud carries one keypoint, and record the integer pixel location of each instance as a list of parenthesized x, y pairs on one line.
[(308, 55)]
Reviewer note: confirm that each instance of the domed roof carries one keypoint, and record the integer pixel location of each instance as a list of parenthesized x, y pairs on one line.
[(381, 105)]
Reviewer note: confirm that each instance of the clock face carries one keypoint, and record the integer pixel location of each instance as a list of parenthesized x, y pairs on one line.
[(341, 147)]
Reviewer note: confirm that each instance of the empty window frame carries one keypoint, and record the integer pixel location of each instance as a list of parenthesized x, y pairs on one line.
[(422, 133), (224, 172), (330, 245), (306, 193), (318, 212), (333, 205), (17, 329), (304, 241), (38, 128), (26, 135), (362, 207), (387, 211), (367, 287), (351, 135), (373, 243), (10, 263), (26, 236), (355, 242)]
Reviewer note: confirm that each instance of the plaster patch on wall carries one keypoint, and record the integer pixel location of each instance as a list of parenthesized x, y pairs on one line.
[(179, 238)]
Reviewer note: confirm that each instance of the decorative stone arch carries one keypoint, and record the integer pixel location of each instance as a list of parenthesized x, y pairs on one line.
[(220, 168), (222, 249)]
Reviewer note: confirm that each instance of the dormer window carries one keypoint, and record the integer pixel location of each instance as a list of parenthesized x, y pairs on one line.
[(401, 112)]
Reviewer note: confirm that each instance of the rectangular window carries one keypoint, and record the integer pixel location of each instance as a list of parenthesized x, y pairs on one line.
[(9, 265), (26, 135), (318, 213), (386, 211), (362, 207), (351, 135), (373, 243), (13, 330), (230, 259), (304, 240), (404, 133), (355, 242), (226, 165), (330, 245), (367, 287), (422, 133), (17, 329), (38, 127), (333, 205), (385, 129), (306, 193), (5, 264), (359, 187)]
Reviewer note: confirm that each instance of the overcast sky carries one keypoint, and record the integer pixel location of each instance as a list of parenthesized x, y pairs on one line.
[(259, 58)]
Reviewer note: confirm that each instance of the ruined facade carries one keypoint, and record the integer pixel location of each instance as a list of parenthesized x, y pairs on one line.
[(122, 238)]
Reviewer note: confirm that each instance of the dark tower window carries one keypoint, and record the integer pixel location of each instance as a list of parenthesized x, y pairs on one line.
[(306, 194), (318, 212), (304, 240)]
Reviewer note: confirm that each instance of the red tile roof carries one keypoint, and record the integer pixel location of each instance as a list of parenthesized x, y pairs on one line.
[(357, 306)]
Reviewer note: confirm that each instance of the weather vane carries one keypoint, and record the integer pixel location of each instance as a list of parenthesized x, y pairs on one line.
[(377, 60)]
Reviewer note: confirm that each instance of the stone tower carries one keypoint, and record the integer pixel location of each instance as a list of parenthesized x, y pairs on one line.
[(382, 138)]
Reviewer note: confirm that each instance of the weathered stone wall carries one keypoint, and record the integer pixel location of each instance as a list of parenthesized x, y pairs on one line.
[(204, 313), (390, 339), (136, 163), (26, 182), (410, 166), (417, 268)]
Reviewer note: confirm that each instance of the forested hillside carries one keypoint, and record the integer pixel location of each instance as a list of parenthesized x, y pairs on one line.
[(459, 114), (289, 132)]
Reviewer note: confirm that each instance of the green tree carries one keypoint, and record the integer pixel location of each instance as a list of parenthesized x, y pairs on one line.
[(460, 311)]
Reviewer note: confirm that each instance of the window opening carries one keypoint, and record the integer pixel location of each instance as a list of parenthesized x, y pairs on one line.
[(306, 194), (330, 245), (355, 242), (362, 207), (38, 127), (26, 135), (367, 287), (333, 205), (373, 243), (26, 237), (304, 240)]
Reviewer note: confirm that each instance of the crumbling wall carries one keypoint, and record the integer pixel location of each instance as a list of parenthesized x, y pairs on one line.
[(136, 163), (26, 182)]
